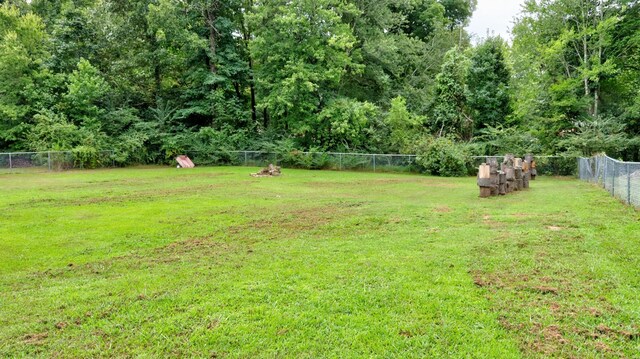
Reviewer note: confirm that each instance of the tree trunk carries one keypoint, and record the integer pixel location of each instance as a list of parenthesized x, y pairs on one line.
[(585, 55), (265, 114), (236, 87), (246, 35), (211, 16), (252, 87), (212, 46)]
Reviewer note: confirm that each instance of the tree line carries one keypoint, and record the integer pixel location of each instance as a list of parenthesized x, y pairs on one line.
[(150, 79)]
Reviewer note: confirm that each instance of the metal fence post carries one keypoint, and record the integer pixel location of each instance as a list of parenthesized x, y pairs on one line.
[(628, 183), (49, 159), (374, 163), (604, 176), (613, 180), (245, 158), (10, 163), (340, 168)]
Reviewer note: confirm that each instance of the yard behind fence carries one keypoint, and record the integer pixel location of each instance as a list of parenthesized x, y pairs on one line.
[(621, 179)]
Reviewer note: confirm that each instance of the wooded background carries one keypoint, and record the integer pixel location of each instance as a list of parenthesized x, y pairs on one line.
[(151, 79)]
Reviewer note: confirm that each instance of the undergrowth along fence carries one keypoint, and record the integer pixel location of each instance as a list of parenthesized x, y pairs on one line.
[(547, 165), (621, 179), (308, 160), (54, 161)]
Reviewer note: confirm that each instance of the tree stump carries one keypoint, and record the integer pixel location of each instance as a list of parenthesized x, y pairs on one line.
[(526, 173), (484, 180), (534, 171), (532, 167), (519, 182), (495, 180), (517, 164), (502, 186), (507, 167)]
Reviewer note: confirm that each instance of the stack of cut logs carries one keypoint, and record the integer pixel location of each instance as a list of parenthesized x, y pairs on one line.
[(514, 175)]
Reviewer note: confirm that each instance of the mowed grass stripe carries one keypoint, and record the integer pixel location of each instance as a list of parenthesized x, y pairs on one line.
[(210, 262)]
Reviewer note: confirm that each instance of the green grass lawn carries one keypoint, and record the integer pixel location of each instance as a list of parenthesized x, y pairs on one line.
[(158, 262)]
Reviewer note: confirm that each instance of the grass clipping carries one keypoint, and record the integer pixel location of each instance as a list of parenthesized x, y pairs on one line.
[(270, 171)]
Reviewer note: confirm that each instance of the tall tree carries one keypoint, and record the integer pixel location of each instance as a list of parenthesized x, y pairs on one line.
[(450, 112), (302, 51), (488, 80), (22, 72)]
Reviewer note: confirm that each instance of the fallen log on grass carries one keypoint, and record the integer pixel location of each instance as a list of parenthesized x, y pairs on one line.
[(270, 171)]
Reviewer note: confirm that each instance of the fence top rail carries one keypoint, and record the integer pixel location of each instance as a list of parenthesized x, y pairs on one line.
[(547, 156), (366, 154), (20, 153), (311, 153), (43, 152), (621, 162)]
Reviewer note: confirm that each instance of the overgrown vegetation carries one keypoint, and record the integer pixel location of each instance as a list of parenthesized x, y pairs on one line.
[(151, 78), (162, 262)]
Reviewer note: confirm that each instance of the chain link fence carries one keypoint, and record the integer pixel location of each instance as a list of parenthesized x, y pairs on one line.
[(308, 160), (546, 165), (20, 162), (621, 179)]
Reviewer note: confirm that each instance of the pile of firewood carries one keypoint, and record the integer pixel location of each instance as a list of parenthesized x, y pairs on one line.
[(514, 175), (270, 171)]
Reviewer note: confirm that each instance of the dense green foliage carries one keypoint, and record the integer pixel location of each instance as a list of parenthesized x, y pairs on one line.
[(153, 78), (578, 74)]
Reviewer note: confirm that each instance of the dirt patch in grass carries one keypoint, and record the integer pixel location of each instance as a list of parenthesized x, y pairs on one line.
[(546, 290), (289, 223), (483, 280), (552, 333), (602, 347), (603, 330), (128, 197), (193, 244), (555, 228), (547, 340), (385, 181), (35, 339), (147, 195), (443, 209), (522, 215)]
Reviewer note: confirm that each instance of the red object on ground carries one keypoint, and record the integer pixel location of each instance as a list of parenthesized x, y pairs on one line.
[(185, 162)]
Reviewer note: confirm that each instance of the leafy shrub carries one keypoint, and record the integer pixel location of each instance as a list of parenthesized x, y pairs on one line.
[(442, 157), (405, 127), (52, 131), (342, 122), (597, 135), (85, 157), (501, 140)]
